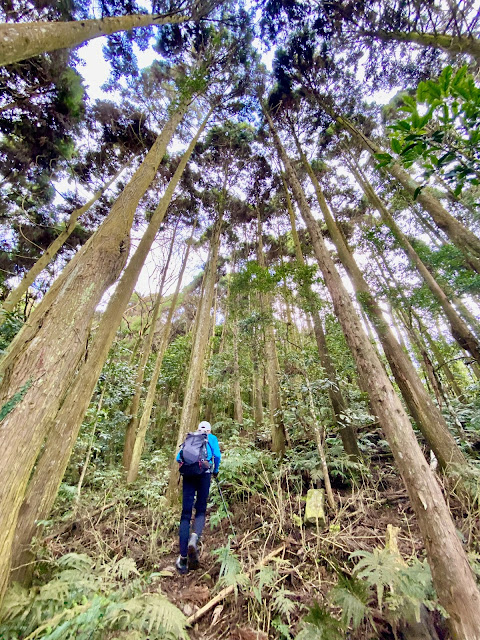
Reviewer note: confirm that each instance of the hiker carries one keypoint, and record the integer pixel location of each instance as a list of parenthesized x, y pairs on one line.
[(202, 458)]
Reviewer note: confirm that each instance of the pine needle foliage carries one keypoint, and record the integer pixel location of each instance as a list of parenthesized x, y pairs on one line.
[(84, 600)]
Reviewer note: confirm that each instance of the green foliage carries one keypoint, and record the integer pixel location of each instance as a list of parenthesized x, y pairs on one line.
[(231, 570), (14, 400), (441, 129), (319, 624), (401, 589), (10, 325), (352, 597), (85, 599)]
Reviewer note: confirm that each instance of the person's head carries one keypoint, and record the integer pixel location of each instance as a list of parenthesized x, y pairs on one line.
[(205, 427)]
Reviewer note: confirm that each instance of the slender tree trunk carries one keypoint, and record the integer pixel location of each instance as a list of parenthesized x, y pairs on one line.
[(459, 328), (152, 387), (460, 236), (451, 44), (29, 278), (131, 430), (319, 439), (271, 360), (22, 40), (430, 420), (87, 457), (452, 576), (51, 465), (191, 399), (237, 389), (339, 405)]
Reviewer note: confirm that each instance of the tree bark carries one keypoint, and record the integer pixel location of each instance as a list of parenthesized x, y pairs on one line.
[(68, 416), (460, 330), (19, 41), (429, 419), (337, 401), (451, 44), (134, 406), (272, 366), (452, 576), (29, 278)]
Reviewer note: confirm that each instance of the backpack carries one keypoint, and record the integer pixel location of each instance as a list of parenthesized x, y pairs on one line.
[(193, 455)]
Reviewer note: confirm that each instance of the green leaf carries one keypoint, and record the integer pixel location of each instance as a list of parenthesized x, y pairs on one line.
[(396, 145)]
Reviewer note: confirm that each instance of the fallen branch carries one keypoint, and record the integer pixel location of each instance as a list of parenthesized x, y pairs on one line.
[(228, 590)]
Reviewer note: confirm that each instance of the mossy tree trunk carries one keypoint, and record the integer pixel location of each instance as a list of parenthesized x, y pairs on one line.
[(428, 417), (451, 44), (134, 405), (22, 40), (272, 366), (337, 401), (65, 423), (191, 401), (459, 328), (140, 433), (451, 572)]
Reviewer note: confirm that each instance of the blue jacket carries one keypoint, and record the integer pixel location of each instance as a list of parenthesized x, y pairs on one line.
[(213, 451)]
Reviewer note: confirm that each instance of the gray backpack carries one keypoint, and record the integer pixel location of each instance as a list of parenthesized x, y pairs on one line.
[(193, 455)]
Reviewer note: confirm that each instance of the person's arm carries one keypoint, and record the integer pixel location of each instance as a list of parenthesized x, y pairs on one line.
[(217, 455)]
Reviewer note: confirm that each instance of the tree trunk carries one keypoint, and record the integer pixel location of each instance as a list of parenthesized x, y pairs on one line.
[(29, 278), (451, 44), (140, 434), (51, 465), (339, 405), (272, 366), (459, 328), (19, 41), (237, 389), (429, 419), (452, 576), (459, 234), (191, 400), (131, 430)]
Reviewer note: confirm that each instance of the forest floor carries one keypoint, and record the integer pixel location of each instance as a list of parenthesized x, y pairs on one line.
[(306, 562)]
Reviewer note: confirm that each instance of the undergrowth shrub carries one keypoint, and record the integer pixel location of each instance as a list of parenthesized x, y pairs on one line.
[(84, 599)]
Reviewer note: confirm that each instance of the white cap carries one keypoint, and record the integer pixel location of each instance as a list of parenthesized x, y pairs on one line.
[(205, 426)]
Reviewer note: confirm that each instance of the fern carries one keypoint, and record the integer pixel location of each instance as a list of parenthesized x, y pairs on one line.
[(352, 597), (265, 578), (231, 571), (319, 624), (283, 604), (379, 568), (83, 600)]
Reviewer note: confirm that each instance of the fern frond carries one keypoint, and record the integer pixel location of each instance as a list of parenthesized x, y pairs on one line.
[(160, 614), (77, 561), (283, 604), (319, 624), (352, 597), (124, 568), (16, 600), (380, 569)]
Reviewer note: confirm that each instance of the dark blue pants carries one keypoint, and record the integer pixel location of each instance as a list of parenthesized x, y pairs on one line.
[(192, 485)]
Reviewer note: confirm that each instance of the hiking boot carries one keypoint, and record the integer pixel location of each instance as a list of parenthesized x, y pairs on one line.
[(192, 552), (181, 565)]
